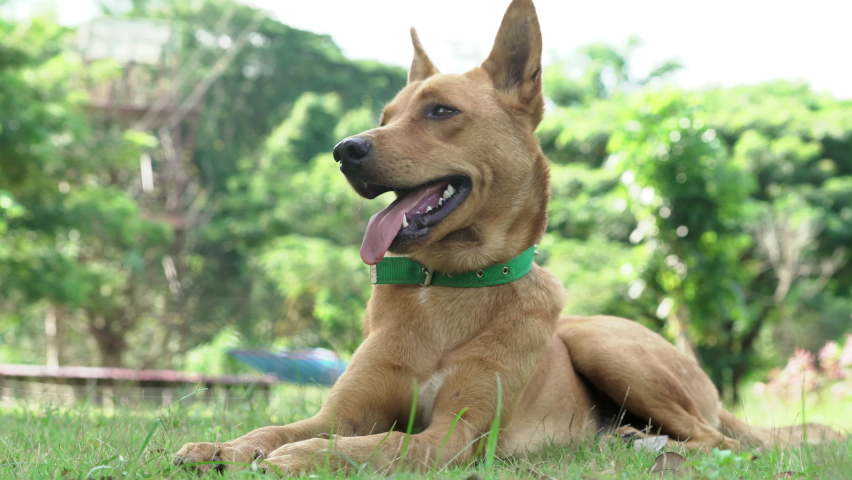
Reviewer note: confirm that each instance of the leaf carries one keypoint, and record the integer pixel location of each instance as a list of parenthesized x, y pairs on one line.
[(669, 463)]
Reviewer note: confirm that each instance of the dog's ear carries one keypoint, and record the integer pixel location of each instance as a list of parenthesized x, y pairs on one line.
[(421, 67), (515, 60)]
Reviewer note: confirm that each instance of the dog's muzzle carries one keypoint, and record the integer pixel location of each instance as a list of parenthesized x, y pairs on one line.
[(352, 153)]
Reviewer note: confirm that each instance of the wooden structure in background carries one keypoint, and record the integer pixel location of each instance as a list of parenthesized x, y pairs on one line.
[(147, 97), (122, 386)]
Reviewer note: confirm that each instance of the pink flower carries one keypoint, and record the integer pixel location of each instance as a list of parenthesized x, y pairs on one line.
[(799, 373), (845, 357), (828, 361)]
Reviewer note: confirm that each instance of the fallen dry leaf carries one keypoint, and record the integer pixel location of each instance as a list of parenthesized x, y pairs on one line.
[(669, 463)]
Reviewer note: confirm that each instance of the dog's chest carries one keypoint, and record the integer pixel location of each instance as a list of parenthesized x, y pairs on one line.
[(428, 391), (423, 296)]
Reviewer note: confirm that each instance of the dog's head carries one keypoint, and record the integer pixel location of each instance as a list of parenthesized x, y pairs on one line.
[(460, 153)]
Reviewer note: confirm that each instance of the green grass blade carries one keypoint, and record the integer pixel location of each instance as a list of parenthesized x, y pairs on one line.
[(408, 429), (447, 437), (494, 433)]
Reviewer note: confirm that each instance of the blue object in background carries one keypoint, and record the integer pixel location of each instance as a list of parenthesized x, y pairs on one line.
[(316, 366)]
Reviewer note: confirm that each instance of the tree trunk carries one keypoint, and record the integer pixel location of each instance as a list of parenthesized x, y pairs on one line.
[(54, 332), (111, 344), (784, 339), (746, 347), (110, 356)]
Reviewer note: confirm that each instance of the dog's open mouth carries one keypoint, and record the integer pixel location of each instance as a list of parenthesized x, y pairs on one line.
[(412, 214)]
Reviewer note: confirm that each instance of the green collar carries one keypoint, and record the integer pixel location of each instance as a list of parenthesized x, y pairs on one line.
[(404, 271)]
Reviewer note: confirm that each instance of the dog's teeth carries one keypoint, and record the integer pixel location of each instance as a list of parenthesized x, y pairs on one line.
[(440, 202), (428, 209), (449, 191), (404, 221)]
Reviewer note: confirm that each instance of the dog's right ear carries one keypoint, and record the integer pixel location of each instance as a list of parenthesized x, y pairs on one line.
[(514, 64), (421, 67)]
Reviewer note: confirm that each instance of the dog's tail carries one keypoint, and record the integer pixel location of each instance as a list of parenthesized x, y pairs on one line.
[(764, 438)]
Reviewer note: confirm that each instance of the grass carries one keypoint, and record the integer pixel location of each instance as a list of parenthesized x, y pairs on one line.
[(774, 411), (84, 441)]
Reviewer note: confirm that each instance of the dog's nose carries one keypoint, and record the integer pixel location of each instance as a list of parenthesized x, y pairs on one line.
[(352, 149)]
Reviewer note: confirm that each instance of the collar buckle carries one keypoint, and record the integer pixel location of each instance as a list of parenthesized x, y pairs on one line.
[(428, 280)]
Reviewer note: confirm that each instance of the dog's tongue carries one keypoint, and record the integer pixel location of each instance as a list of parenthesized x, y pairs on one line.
[(384, 225)]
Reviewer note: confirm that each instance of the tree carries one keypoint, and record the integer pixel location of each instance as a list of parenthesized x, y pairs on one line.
[(258, 130), (259, 88), (718, 163), (690, 201), (75, 242), (281, 206)]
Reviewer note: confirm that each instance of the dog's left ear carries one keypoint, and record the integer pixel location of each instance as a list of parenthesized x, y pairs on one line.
[(515, 60), (421, 67)]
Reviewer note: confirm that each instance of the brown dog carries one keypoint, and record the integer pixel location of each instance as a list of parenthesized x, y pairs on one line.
[(472, 186)]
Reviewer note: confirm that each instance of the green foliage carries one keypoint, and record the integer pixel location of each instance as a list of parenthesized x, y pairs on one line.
[(579, 134), (596, 272), (325, 285), (305, 133), (73, 236), (689, 201), (701, 181), (598, 71), (721, 464), (259, 89), (280, 213), (278, 191), (212, 358), (258, 138), (355, 121), (584, 202)]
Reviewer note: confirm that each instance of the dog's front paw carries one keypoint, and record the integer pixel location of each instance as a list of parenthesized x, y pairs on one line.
[(204, 456), (305, 456)]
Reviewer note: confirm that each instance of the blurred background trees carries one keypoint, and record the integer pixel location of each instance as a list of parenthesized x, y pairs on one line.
[(718, 217)]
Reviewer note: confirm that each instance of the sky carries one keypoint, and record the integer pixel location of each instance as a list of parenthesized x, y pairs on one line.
[(724, 42)]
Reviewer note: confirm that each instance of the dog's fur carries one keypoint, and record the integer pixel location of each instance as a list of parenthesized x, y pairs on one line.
[(563, 379)]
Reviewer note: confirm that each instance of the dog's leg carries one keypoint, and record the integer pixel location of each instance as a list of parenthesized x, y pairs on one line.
[(464, 409), (255, 445), (348, 411), (648, 377), (364, 400), (436, 446)]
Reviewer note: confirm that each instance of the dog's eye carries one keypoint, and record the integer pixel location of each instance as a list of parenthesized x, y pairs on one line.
[(440, 112)]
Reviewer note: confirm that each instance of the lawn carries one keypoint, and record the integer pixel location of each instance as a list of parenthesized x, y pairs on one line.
[(84, 441)]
